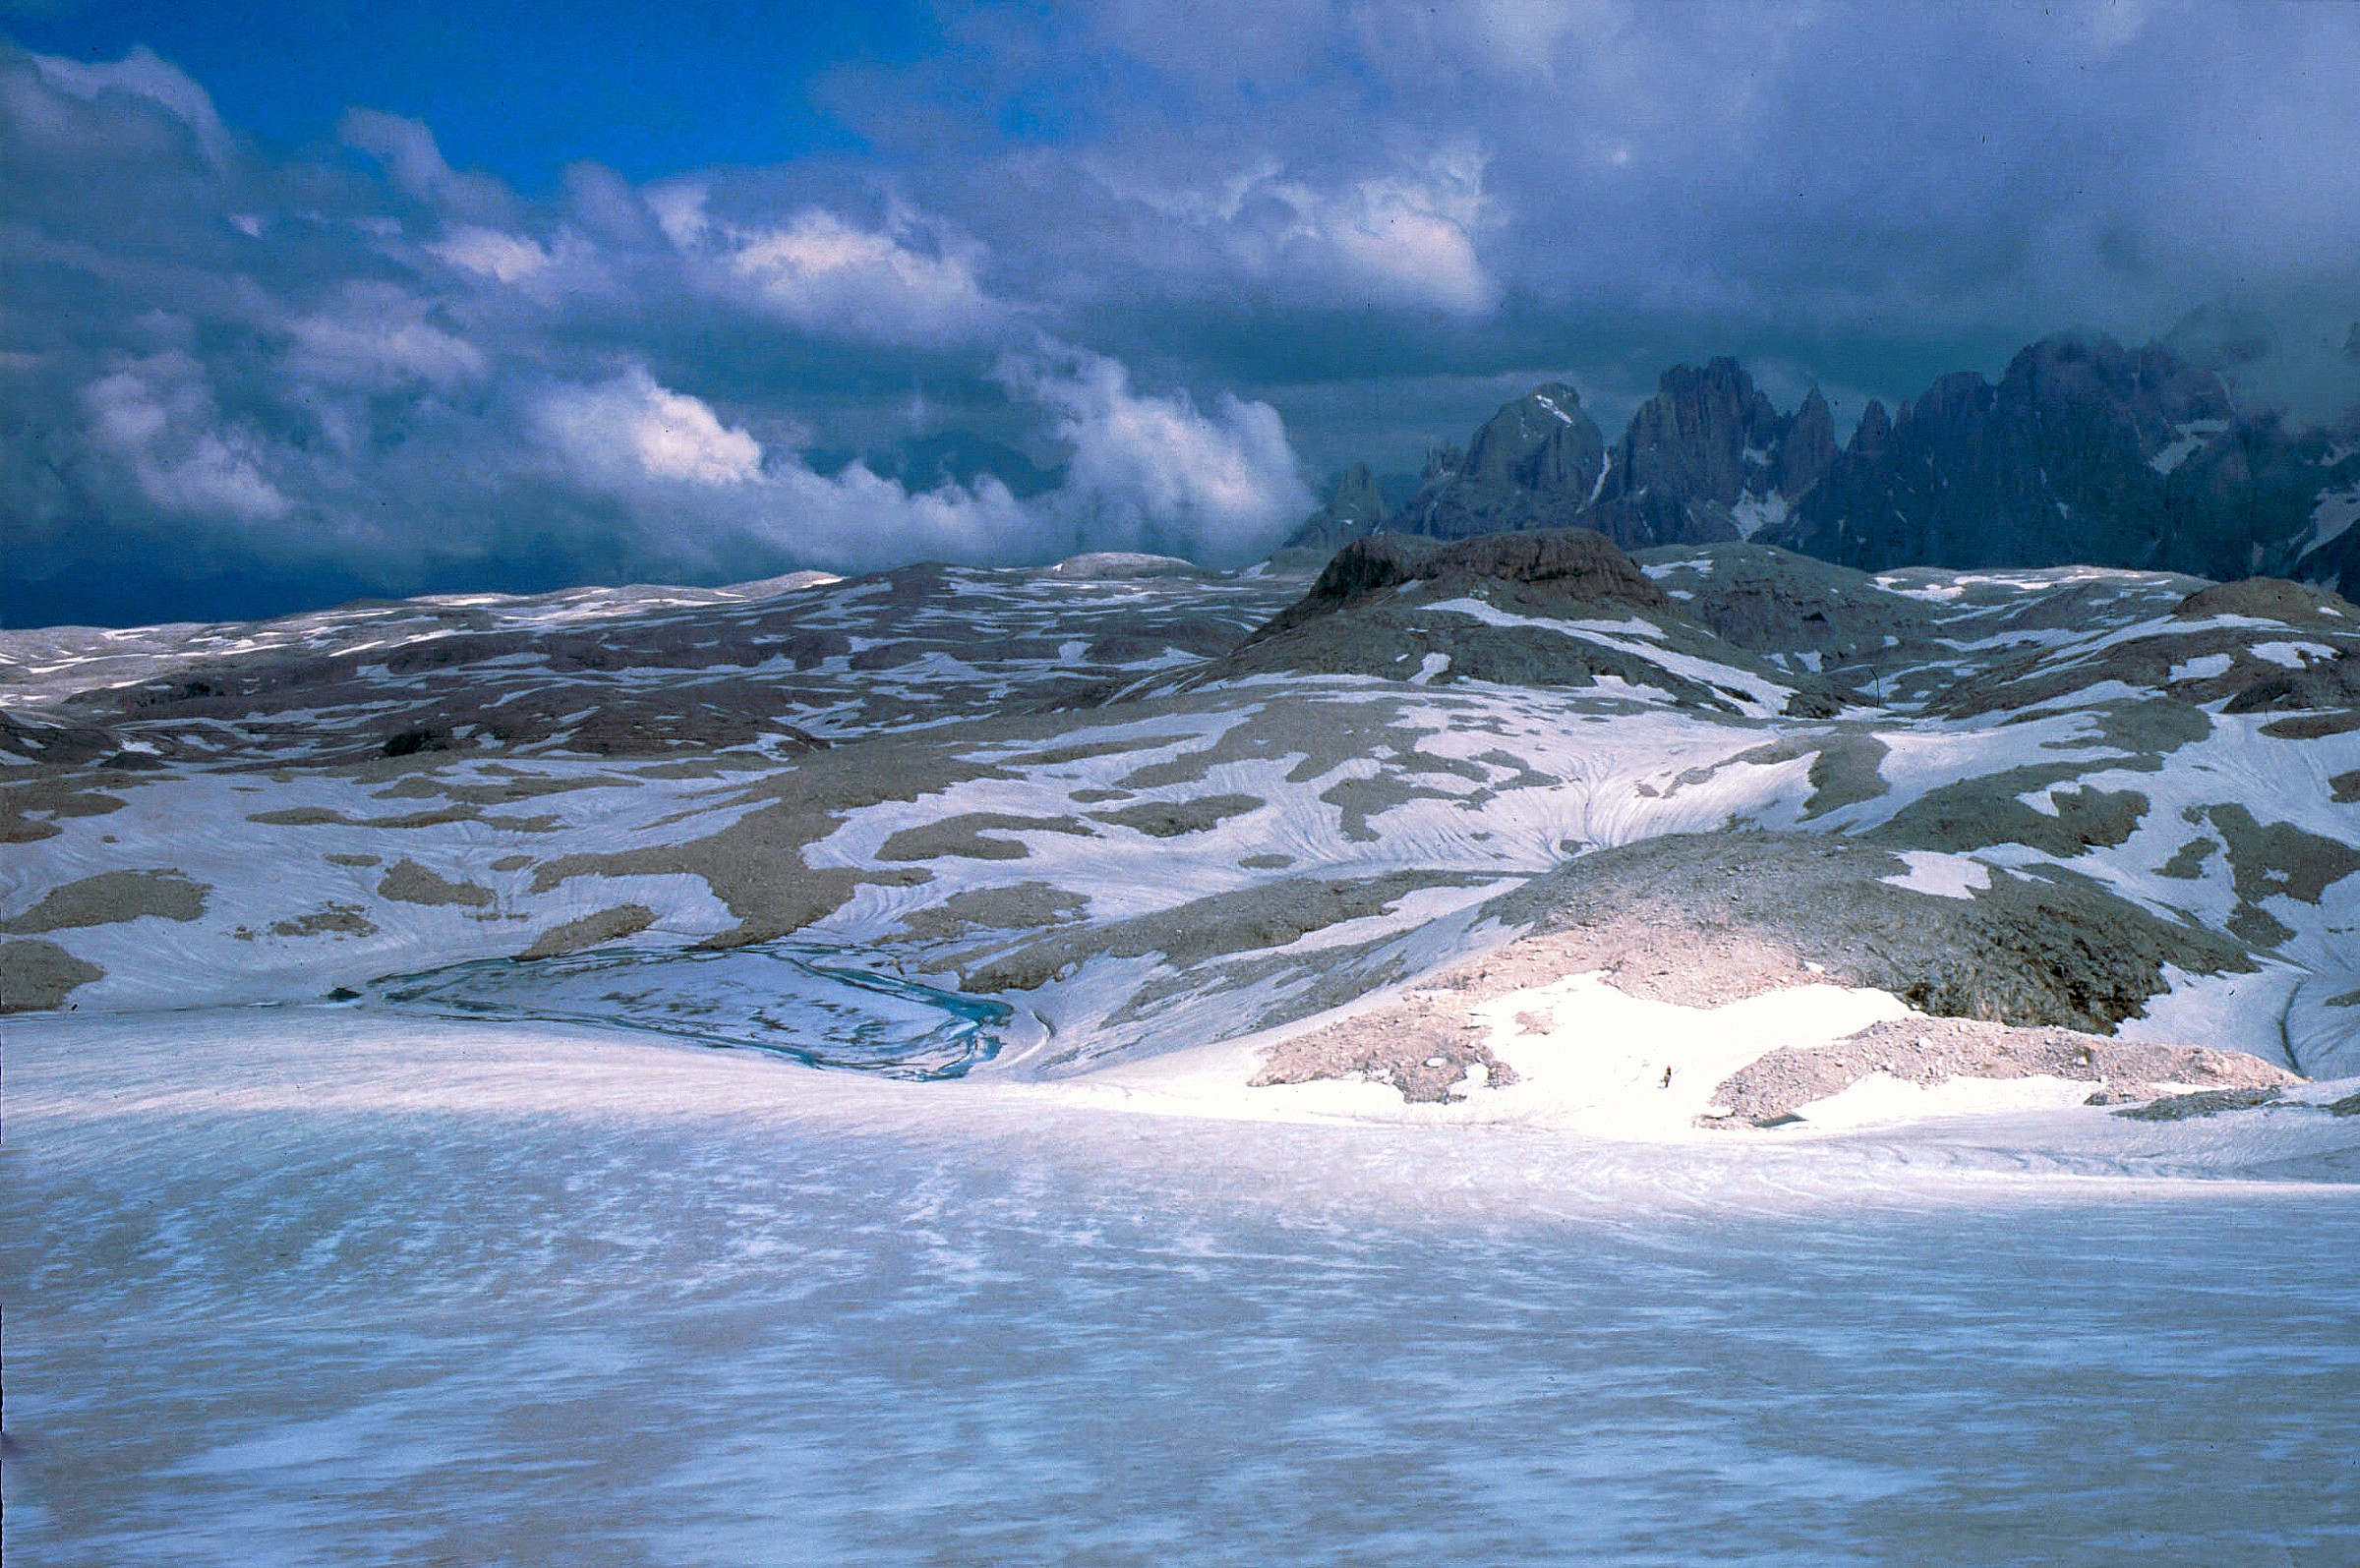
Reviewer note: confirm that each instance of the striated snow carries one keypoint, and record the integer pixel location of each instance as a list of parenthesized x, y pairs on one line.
[(294, 1287)]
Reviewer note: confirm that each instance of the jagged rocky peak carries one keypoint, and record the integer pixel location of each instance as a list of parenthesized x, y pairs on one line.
[(2163, 399), (1710, 458), (1355, 510), (1541, 442), (1872, 438), (1355, 498), (2084, 452), (1707, 434), (1809, 449), (1537, 463)]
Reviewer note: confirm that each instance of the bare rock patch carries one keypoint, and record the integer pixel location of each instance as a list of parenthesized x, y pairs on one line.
[(31, 812), (1023, 906), (1170, 819), (411, 883), (333, 920), (962, 836), (1930, 1051), (605, 925), (1424, 1052), (38, 976), (2204, 1102), (112, 897)]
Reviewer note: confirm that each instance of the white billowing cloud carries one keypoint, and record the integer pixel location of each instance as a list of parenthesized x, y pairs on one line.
[(857, 520), (143, 75), (378, 335), (1145, 472), (1410, 239), (494, 254), (907, 281), (631, 430), (693, 484), (1406, 236), (157, 415), (1157, 472), (407, 152)]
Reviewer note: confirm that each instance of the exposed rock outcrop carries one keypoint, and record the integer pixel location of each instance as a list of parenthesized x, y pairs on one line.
[(1353, 512), (1703, 460), (1534, 464), (2083, 452), (1545, 607)]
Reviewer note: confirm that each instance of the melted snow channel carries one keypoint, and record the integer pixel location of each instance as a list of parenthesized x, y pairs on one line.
[(762, 996)]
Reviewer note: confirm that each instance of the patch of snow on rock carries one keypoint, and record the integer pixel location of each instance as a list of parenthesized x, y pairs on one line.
[(2292, 655), (1943, 876), (2204, 667), (1752, 513)]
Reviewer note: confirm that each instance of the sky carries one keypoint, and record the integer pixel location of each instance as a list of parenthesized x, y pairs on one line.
[(303, 302)]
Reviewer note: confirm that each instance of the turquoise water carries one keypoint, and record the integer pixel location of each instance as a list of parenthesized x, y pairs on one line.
[(767, 996)]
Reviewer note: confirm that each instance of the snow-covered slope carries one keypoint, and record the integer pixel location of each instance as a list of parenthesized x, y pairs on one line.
[(1032, 824)]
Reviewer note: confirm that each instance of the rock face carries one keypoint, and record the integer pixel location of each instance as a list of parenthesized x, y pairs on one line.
[(1707, 459), (1574, 564), (1554, 608), (1354, 511), (1535, 464), (2085, 452)]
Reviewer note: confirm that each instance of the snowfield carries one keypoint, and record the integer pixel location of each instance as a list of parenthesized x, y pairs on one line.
[(1502, 1053), (1054, 799), (299, 1286)]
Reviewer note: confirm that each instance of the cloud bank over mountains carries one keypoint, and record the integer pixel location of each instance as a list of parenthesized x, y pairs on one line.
[(1180, 280)]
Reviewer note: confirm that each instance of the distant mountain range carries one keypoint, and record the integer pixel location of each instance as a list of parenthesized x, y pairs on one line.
[(2083, 452)]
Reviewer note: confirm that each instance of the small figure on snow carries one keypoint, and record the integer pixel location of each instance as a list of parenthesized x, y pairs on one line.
[(1667, 1078)]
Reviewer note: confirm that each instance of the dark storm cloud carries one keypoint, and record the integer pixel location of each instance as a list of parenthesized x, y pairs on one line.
[(1348, 228)]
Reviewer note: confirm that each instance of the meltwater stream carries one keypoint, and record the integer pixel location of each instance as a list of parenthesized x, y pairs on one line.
[(321, 1288), (769, 996)]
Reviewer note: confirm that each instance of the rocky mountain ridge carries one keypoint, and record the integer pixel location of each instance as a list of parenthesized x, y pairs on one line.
[(2083, 452)]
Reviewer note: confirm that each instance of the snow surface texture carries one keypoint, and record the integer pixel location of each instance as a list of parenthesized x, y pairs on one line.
[(1459, 1086), (1064, 806), (307, 1286)]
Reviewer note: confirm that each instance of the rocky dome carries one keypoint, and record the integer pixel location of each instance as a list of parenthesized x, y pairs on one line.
[(2272, 599), (1576, 563)]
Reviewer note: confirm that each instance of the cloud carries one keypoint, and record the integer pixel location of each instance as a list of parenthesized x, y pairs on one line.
[(1143, 472), (1156, 472), (905, 281), (141, 74), (380, 335), (1410, 237), (1379, 216), (408, 153), (492, 253), (158, 415), (702, 490), (1402, 238), (631, 429)]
